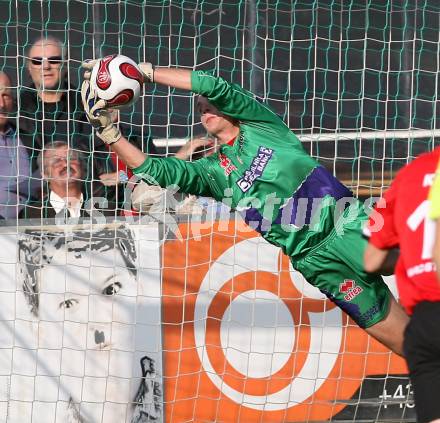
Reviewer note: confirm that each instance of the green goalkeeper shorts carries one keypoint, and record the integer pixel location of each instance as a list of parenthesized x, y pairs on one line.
[(336, 268)]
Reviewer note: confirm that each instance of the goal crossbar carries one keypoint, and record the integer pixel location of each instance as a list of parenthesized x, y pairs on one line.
[(340, 136)]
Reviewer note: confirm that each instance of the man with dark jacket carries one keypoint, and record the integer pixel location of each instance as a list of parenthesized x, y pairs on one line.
[(50, 109), (65, 192)]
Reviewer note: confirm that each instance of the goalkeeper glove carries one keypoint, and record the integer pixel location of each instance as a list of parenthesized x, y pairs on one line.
[(98, 117), (95, 107)]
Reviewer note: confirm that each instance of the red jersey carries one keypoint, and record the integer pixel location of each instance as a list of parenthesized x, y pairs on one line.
[(406, 225), (119, 164)]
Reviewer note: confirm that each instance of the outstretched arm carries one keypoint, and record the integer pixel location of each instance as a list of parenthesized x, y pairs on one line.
[(100, 118), (172, 77), (229, 98), (189, 177), (128, 153)]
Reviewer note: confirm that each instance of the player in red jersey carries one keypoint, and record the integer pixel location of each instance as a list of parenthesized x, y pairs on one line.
[(401, 221)]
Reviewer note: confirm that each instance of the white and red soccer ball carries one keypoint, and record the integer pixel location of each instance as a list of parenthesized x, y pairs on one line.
[(118, 80)]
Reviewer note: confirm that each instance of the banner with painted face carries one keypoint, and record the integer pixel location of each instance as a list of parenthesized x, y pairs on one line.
[(247, 339), (80, 325)]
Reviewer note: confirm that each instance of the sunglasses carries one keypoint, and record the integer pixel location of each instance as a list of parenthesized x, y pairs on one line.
[(53, 60)]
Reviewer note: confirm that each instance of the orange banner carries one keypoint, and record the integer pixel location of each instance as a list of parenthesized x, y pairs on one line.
[(247, 339)]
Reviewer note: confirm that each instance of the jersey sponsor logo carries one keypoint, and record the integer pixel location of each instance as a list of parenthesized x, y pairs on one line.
[(373, 310), (427, 267), (226, 164), (256, 169), (350, 289)]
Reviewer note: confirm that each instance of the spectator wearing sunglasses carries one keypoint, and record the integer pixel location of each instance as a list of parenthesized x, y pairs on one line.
[(50, 109)]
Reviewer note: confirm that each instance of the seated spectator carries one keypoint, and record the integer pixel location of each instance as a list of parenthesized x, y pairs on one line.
[(64, 187), (14, 161)]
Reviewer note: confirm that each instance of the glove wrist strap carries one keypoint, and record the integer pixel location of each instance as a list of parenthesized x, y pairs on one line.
[(110, 134), (148, 71)]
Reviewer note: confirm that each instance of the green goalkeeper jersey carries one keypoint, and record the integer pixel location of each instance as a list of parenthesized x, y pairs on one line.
[(265, 174)]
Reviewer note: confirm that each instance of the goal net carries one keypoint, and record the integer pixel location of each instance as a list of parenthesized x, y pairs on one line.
[(234, 333)]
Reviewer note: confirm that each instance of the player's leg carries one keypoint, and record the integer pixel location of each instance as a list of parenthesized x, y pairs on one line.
[(336, 268), (388, 322), (422, 353), (390, 330), (366, 299)]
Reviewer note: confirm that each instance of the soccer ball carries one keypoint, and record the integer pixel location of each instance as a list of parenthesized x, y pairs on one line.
[(118, 80)]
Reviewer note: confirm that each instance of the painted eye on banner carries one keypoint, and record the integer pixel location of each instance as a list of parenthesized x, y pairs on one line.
[(255, 326), (112, 289), (69, 303)]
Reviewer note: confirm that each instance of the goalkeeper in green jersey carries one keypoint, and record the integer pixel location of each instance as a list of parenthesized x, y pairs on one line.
[(281, 192)]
